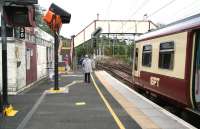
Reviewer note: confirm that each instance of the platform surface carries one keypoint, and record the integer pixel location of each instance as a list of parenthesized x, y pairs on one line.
[(79, 107), (146, 113)]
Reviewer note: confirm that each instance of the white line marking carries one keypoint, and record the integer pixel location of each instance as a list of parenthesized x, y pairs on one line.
[(31, 112), (72, 83), (74, 75), (34, 108), (80, 103)]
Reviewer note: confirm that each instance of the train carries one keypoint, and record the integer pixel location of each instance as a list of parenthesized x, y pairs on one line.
[(166, 63)]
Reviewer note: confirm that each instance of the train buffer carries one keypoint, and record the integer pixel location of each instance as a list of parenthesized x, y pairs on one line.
[(104, 103)]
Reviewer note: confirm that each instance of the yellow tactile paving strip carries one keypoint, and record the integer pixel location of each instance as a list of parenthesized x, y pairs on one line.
[(129, 107)]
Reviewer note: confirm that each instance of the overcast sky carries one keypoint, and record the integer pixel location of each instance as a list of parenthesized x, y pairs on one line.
[(85, 11)]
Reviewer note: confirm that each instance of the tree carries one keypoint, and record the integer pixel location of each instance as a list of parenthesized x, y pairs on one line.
[(39, 20)]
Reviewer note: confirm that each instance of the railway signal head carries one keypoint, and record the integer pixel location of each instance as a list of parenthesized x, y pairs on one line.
[(64, 15), (97, 32), (55, 17)]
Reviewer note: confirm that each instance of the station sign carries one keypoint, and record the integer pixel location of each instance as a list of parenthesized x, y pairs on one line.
[(22, 1), (22, 32)]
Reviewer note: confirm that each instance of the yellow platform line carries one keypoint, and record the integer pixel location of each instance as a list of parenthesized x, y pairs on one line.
[(116, 118), (135, 113)]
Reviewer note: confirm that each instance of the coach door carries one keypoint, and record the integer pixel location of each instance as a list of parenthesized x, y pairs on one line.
[(136, 67), (31, 64), (197, 70)]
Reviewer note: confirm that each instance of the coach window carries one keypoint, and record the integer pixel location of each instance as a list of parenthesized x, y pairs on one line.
[(166, 55), (147, 55)]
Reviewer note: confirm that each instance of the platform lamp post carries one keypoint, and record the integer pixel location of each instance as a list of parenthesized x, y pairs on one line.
[(18, 13), (54, 18)]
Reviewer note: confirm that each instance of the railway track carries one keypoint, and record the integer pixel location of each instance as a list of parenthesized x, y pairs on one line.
[(125, 74), (118, 71)]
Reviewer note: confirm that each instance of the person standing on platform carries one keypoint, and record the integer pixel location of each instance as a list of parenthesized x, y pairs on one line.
[(87, 68), (66, 61)]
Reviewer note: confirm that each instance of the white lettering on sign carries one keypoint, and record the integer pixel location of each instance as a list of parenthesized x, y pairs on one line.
[(22, 33), (154, 81)]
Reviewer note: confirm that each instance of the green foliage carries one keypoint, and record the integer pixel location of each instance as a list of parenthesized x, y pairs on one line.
[(110, 47), (41, 24)]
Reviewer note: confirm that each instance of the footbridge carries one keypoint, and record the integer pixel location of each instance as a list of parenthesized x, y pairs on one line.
[(114, 27)]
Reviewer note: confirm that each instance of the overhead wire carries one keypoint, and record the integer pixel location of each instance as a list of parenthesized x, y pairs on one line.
[(142, 5), (177, 15), (161, 8), (187, 11), (155, 12)]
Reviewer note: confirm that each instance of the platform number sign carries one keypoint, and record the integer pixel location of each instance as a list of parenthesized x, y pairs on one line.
[(22, 32)]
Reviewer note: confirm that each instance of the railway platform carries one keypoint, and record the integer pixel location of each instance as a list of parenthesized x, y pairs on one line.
[(105, 103)]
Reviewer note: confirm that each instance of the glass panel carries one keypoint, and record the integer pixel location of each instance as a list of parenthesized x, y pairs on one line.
[(146, 55), (197, 72), (166, 55)]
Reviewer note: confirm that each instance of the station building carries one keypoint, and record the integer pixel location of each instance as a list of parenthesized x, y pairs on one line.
[(28, 59)]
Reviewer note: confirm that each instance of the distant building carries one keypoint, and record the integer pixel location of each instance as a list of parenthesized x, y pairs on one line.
[(64, 55)]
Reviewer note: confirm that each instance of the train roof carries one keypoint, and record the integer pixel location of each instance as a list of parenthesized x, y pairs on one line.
[(175, 27)]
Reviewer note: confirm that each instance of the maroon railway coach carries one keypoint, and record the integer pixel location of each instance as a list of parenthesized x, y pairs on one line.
[(167, 62)]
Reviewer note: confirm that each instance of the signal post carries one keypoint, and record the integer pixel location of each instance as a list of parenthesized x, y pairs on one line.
[(54, 18)]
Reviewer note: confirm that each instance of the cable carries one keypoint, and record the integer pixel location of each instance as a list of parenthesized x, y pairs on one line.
[(140, 7), (130, 10), (164, 6), (183, 12)]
